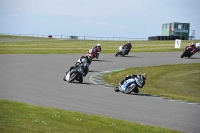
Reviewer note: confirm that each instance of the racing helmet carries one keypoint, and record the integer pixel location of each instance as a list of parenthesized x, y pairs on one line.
[(139, 80), (192, 45), (98, 45), (128, 42)]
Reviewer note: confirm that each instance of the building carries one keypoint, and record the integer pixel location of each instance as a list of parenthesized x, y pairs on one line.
[(175, 30)]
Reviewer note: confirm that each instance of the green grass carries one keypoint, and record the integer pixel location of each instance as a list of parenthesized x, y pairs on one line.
[(180, 82), (16, 117), (32, 45)]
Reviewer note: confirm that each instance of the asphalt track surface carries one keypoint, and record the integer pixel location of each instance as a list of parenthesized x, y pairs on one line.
[(37, 79)]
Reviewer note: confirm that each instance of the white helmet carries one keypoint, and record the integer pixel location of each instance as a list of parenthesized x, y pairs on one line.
[(98, 45)]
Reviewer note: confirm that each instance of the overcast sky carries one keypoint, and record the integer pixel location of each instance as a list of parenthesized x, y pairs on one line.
[(99, 18)]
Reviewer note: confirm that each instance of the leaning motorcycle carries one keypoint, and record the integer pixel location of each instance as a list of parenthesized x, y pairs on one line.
[(131, 85), (76, 73), (186, 53), (121, 51), (93, 53)]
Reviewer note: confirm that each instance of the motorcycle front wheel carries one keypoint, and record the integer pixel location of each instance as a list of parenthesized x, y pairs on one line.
[(116, 54), (116, 89), (183, 55)]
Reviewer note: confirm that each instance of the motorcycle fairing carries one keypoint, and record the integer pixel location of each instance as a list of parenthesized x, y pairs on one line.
[(67, 76), (127, 83)]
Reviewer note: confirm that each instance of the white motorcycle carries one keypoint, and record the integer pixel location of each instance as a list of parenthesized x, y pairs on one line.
[(122, 51), (131, 85), (198, 46)]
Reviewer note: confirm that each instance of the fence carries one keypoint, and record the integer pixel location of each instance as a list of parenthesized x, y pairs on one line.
[(77, 37)]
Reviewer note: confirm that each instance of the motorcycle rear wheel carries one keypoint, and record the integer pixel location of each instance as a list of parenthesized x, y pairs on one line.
[(80, 79), (135, 90)]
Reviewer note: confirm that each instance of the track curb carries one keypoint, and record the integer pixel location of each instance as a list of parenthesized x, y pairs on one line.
[(97, 78)]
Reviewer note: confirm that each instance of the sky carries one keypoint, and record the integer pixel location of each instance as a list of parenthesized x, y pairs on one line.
[(97, 18)]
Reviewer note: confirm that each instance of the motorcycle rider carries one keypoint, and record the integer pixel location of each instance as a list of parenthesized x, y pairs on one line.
[(87, 57), (98, 46), (128, 46), (98, 50), (85, 69), (83, 59)]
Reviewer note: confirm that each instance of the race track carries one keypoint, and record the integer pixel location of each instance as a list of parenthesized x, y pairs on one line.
[(37, 79)]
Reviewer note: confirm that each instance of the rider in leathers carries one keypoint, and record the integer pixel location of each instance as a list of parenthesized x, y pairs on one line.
[(85, 70), (128, 46), (98, 50)]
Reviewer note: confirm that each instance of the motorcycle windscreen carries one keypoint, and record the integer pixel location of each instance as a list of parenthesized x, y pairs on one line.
[(128, 82), (121, 47)]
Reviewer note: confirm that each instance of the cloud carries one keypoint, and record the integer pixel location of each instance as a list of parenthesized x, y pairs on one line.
[(104, 24)]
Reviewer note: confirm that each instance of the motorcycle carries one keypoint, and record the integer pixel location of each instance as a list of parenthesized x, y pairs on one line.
[(122, 51), (93, 53), (187, 53), (76, 73), (131, 85), (198, 46)]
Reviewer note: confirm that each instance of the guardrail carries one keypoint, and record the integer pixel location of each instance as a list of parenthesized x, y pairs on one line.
[(77, 37), (63, 37)]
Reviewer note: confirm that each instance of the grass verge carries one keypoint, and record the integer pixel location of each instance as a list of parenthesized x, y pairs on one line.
[(16, 117), (180, 82), (31, 45)]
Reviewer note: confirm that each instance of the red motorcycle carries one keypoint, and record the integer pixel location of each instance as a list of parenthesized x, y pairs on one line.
[(187, 52), (93, 53)]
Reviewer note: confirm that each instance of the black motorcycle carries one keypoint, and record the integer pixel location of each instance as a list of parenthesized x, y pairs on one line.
[(187, 53), (77, 73)]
